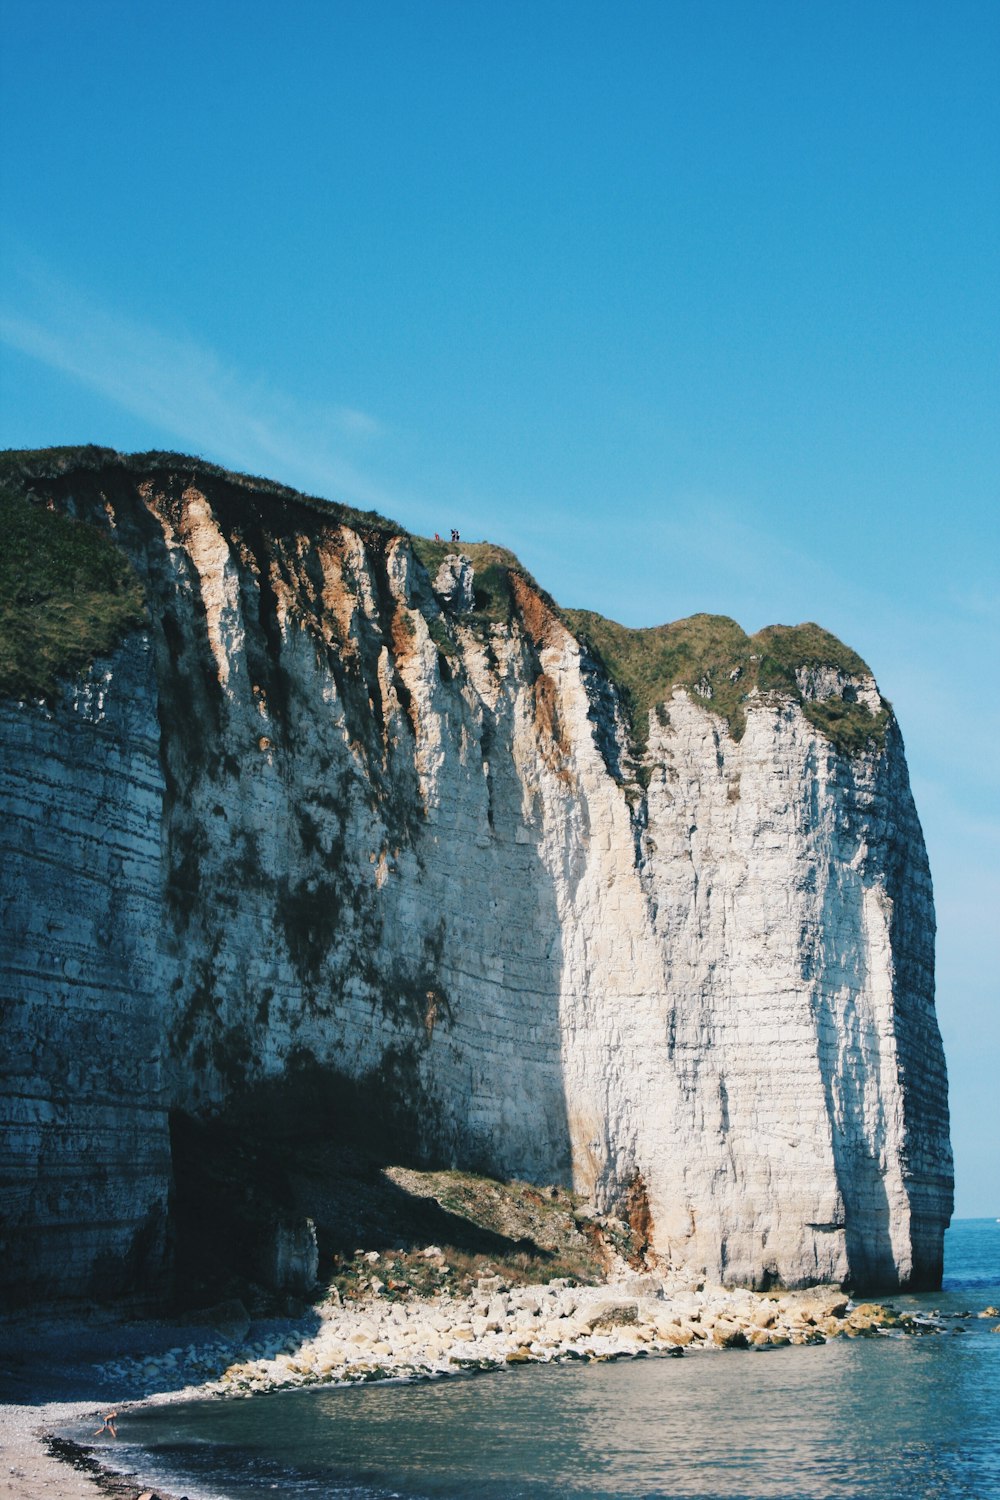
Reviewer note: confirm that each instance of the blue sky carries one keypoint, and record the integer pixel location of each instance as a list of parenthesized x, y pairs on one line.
[(694, 305)]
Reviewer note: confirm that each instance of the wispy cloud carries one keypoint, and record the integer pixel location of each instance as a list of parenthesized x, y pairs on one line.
[(357, 423), (183, 388)]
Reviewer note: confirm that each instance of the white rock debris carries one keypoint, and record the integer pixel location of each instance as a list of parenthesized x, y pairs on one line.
[(425, 1338)]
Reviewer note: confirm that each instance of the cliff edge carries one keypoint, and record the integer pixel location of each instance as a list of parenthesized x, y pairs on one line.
[(311, 823)]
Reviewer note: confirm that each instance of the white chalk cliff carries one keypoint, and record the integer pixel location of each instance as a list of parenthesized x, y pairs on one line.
[(325, 820)]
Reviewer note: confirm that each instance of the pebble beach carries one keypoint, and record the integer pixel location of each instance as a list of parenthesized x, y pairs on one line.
[(57, 1377)]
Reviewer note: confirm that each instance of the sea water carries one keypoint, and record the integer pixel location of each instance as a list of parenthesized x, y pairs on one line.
[(884, 1417)]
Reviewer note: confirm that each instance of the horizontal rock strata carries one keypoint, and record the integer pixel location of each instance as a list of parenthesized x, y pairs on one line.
[(338, 828)]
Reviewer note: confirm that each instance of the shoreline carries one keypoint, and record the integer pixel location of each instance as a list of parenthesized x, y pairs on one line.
[(35, 1464), (94, 1366)]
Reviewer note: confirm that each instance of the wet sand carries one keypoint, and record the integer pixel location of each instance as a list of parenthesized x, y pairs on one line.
[(32, 1468)]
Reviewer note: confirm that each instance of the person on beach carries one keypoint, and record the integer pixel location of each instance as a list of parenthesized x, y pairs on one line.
[(109, 1425)]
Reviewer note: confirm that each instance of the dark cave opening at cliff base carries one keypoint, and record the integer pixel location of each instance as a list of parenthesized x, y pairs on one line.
[(281, 1189)]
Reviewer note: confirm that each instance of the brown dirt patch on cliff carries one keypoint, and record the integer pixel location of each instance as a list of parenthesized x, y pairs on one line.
[(552, 739), (639, 1217), (538, 618)]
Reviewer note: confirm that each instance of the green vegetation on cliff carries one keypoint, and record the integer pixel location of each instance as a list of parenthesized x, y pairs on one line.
[(712, 657), (23, 467), (67, 591), (493, 567), (67, 594), (709, 654)]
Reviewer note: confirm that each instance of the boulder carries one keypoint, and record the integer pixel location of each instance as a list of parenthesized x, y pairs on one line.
[(286, 1257), (871, 1315), (609, 1315)]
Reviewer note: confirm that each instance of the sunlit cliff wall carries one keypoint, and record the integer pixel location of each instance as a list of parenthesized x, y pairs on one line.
[(333, 813)]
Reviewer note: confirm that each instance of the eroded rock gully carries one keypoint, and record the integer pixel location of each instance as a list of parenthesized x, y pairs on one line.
[(321, 822)]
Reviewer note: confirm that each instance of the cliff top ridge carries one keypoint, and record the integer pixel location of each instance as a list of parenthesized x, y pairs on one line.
[(68, 594)]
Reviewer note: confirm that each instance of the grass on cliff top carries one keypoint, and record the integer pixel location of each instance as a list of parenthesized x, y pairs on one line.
[(67, 594), (63, 602), (708, 654), (492, 566), (711, 656), (23, 466)]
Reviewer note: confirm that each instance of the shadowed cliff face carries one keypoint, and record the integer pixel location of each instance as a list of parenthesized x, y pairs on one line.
[(334, 815)]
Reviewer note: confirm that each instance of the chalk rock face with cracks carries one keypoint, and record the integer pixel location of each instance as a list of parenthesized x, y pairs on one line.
[(353, 818)]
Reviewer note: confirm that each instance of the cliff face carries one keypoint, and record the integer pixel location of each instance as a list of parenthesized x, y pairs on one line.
[(84, 1150), (340, 826)]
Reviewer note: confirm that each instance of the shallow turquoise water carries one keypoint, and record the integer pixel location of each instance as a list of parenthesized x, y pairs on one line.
[(886, 1417)]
